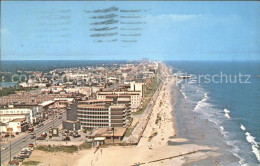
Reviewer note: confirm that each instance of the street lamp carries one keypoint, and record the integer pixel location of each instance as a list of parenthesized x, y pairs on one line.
[(113, 129)]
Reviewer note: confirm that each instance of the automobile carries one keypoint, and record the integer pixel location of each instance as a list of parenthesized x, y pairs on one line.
[(40, 138), (44, 134), (13, 162), (12, 136), (26, 153), (21, 157), (76, 135), (66, 139), (24, 140), (60, 117), (17, 133), (33, 137), (25, 156), (31, 129), (31, 145)]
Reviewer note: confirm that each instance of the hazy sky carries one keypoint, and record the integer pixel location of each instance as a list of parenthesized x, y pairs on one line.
[(157, 30)]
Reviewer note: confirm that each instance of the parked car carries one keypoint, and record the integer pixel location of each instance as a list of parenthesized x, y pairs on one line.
[(33, 137), (66, 139), (24, 140), (76, 135), (13, 162), (31, 129), (31, 145), (12, 136), (26, 153), (21, 157), (44, 134), (40, 138)]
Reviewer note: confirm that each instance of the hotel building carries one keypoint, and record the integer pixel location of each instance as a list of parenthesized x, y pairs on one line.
[(102, 115)]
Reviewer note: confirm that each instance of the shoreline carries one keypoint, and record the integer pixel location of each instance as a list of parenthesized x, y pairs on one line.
[(153, 152), (200, 130), (147, 151)]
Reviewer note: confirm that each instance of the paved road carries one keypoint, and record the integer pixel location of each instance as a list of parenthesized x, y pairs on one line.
[(17, 145)]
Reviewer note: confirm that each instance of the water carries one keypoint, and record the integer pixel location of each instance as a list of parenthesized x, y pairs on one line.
[(227, 111), (7, 84)]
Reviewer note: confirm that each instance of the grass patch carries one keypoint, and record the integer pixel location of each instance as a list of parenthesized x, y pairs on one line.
[(66, 149), (31, 163), (129, 130), (86, 145)]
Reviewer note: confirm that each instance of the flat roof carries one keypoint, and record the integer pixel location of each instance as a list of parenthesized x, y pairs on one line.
[(46, 103), (13, 108), (96, 100), (123, 99), (99, 138), (118, 92), (68, 99), (90, 106), (12, 114), (108, 132), (17, 120)]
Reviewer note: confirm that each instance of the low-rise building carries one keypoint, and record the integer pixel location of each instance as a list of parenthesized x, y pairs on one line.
[(107, 134), (32, 115)]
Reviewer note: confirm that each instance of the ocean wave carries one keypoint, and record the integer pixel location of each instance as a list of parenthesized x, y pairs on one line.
[(254, 144), (184, 95), (202, 102), (242, 127), (222, 128), (227, 113)]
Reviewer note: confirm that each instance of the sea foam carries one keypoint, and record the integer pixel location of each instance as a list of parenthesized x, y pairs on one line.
[(201, 103), (184, 95), (227, 113), (254, 144), (242, 127)]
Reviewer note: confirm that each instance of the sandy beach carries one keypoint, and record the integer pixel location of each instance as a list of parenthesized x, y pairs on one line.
[(157, 150), (165, 148)]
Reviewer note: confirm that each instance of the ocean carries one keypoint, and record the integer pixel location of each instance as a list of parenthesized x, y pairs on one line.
[(219, 105)]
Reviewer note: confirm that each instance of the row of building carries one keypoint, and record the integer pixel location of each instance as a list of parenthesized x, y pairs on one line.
[(99, 98)]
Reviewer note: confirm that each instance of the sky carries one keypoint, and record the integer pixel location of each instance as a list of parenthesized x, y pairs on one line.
[(165, 30)]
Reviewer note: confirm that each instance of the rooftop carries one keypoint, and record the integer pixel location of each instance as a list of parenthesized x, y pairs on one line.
[(108, 132), (46, 103), (17, 120), (90, 106)]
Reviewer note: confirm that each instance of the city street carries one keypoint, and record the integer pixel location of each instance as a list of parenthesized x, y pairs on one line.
[(17, 145)]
